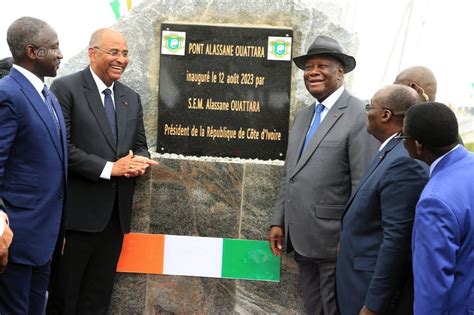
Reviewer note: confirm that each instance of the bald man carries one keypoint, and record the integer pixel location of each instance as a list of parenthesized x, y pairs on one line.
[(107, 149), (373, 273), (421, 79)]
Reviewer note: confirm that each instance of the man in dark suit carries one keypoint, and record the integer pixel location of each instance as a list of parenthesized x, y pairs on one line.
[(33, 165), (107, 149), (443, 233), (6, 233), (321, 169), (373, 265)]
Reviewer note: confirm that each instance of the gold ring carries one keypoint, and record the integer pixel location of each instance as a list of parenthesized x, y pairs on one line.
[(131, 166)]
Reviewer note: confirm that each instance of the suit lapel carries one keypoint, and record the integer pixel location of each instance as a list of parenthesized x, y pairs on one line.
[(97, 107), (378, 158), (41, 109), (300, 130), (333, 115), (121, 106)]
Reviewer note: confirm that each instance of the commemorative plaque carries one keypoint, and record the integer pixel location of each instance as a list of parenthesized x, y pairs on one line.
[(224, 91)]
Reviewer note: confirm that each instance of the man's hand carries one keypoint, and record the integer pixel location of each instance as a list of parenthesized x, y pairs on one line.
[(366, 311), (276, 240), (131, 166), (7, 235), (3, 254), (7, 232)]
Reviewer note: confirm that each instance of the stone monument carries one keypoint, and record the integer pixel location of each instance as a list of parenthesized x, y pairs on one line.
[(211, 195)]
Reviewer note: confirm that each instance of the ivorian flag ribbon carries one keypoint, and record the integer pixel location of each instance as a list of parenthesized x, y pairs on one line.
[(199, 257), (115, 4)]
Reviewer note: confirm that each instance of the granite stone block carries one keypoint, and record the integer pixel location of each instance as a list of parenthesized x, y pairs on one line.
[(196, 198), (261, 184), (129, 294), (190, 295), (215, 198)]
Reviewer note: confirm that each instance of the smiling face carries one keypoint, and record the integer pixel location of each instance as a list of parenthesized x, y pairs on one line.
[(109, 68), (322, 76)]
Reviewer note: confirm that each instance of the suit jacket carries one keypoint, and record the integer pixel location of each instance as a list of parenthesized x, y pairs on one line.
[(443, 238), (315, 188), (33, 170), (91, 144), (374, 253)]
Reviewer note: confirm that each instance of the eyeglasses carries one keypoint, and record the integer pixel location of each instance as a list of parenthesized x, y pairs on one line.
[(368, 107), (114, 52)]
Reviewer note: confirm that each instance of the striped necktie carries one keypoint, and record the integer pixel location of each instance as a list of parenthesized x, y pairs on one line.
[(49, 104)]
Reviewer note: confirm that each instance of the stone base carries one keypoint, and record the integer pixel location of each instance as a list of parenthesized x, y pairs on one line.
[(214, 199)]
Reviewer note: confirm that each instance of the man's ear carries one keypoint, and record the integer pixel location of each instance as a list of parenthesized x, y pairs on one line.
[(386, 115), (30, 52), (420, 91), (91, 52), (419, 148), (340, 73)]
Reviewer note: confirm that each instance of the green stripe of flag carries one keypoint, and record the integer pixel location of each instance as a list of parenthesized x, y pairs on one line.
[(249, 260)]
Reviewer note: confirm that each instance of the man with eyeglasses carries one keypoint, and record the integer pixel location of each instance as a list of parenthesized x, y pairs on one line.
[(33, 167), (373, 272), (107, 150)]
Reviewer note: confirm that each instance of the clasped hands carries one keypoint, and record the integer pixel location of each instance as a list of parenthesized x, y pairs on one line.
[(132, 165)]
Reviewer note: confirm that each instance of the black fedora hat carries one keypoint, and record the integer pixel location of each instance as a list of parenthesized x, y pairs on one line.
[(324, 45)]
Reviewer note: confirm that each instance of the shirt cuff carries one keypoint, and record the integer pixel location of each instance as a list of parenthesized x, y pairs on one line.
[(107, 171)]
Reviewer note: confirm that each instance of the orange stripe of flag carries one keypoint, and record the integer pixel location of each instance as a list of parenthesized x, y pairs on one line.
[(142, 253)]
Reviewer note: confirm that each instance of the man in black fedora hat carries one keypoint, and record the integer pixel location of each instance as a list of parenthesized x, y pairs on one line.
[(328, 152)]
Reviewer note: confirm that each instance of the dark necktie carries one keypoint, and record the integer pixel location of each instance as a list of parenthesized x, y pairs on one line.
[(49, 104), (314, 126), (110, 111)]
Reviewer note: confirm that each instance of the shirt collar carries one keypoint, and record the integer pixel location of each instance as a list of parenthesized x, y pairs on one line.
[(332, 99), (433, 165), (387, 141), (32, 78), (100, 84)]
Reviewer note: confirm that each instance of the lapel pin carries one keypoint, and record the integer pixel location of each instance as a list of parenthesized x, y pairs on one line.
[(125, 103)]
